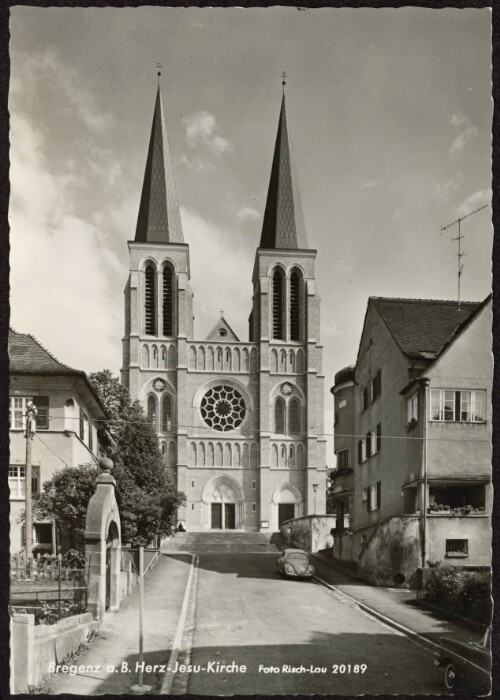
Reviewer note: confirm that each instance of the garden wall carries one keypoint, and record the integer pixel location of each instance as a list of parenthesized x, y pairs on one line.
[(311, 532), (33, 648)]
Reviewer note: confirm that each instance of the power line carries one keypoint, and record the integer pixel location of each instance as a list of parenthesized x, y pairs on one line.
[(252, 432), (51, 450)]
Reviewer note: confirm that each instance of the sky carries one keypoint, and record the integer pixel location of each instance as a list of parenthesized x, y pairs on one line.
[(390, 116)]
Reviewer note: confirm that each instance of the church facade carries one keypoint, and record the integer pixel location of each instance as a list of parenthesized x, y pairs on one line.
[(240, 423)]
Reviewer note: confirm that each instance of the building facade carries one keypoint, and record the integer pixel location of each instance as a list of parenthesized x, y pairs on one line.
[(240, 423), (68, 415), (413, 418)]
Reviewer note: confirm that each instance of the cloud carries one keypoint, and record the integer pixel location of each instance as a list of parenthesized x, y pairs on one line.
[(459, 120), (248, 214), (468, 133), (67, 91), (201, 130), (474, 201), (458, 145), (195, 163), (64, 273), (370, 184), (221, 273), (444, 188)]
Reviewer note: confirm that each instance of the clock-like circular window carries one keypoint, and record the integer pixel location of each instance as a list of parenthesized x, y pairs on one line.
[(223, 408)]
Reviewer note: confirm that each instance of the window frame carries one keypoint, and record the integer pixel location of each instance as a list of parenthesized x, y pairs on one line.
[(450, 402), (456, 553), (412, 406), (17, 414), (343, 456)]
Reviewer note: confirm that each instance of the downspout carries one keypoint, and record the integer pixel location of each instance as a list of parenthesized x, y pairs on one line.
[(425, 381)]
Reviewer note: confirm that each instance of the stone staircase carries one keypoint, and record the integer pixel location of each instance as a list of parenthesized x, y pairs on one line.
[(224, 542)]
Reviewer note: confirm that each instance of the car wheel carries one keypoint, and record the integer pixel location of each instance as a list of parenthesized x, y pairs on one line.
[(450, 677)]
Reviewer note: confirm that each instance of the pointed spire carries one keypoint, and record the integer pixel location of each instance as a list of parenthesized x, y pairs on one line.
[(159, 220), (283, 225)]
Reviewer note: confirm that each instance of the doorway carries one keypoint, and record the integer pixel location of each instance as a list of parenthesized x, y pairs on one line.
[(286, 511), (223, 516)]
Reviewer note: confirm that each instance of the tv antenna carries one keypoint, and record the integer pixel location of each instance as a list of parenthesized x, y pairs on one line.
[(459, 237)]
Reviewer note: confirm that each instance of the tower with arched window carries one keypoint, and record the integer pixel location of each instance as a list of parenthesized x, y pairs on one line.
[(239, 423)]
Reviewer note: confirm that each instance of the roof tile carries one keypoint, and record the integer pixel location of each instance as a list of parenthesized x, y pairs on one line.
[(421, 327)]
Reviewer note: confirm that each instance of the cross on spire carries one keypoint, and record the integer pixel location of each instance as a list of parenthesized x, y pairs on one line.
[(283, 82), (158, 67), (221, 311)]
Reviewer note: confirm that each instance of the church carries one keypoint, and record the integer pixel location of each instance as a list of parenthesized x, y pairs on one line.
[(240, 423)]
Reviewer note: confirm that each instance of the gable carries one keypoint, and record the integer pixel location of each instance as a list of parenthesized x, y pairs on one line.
[(223, 332)]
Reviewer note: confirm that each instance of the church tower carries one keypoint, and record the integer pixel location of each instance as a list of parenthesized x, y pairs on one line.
[(239, 423), (158, 299), (285, 323)]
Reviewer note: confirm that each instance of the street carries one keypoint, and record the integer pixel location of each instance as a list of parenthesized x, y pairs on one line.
[(256, 632)]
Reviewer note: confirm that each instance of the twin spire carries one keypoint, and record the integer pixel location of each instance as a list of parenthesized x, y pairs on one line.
[(159, 219)]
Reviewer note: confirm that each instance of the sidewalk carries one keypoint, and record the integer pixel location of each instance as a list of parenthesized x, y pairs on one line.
[(396, 604), (118, 637)]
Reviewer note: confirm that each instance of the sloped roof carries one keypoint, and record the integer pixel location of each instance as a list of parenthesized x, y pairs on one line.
[(26, 354), (159, 219), (283, 225), (422, 327), (229, 335)]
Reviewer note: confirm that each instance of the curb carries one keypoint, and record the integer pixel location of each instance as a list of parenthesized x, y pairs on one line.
[(176, 647), (415, 637)]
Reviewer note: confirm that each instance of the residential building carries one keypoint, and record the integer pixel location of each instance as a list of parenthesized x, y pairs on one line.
[(240, 422), (68, 411), (413, 428)]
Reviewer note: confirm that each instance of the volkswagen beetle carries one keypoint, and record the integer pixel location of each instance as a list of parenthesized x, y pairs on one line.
[(295, 562)]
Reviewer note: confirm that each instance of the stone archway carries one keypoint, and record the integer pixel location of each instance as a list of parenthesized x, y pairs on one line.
[(223, 505), (286, 505), (103, 545)]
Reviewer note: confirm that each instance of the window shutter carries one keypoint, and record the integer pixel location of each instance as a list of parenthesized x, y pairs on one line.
[(368, 445), (379, 493), (360, 451), (379, 437)]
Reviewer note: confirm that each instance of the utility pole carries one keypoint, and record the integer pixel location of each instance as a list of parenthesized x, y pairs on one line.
[(30, 432), (460, 254)]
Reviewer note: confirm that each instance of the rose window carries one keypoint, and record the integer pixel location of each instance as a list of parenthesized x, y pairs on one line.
[(223, 408)]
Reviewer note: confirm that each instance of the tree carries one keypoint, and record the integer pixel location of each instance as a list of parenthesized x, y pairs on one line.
[(65, 498), (147, 500)]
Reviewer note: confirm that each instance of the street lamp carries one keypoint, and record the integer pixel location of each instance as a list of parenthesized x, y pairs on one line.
[(315, 488), (30, 431)]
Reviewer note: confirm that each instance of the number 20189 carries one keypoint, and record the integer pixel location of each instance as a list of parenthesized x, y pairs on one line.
[(349, 668)]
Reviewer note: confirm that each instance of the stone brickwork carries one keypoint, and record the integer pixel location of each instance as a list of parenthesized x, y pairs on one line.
[(240, 424)]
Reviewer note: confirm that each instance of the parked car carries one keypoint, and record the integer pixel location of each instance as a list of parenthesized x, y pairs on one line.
[(466, 665), (295, 562)]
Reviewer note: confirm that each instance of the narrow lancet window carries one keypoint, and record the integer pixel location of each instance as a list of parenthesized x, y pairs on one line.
[(168, 302), (278, 306), (279, 416), (294, 306), (149, 301), (167, 417)]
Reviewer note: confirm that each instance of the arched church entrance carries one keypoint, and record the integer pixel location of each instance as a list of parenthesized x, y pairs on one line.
[(223, 505), (287, 504)]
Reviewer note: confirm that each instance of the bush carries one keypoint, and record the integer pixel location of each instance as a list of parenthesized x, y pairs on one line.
[(443, 584), (475, 596), (466, 593), (74, 558)]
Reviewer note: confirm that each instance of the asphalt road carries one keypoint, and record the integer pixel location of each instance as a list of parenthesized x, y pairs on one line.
[(293, 637)]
